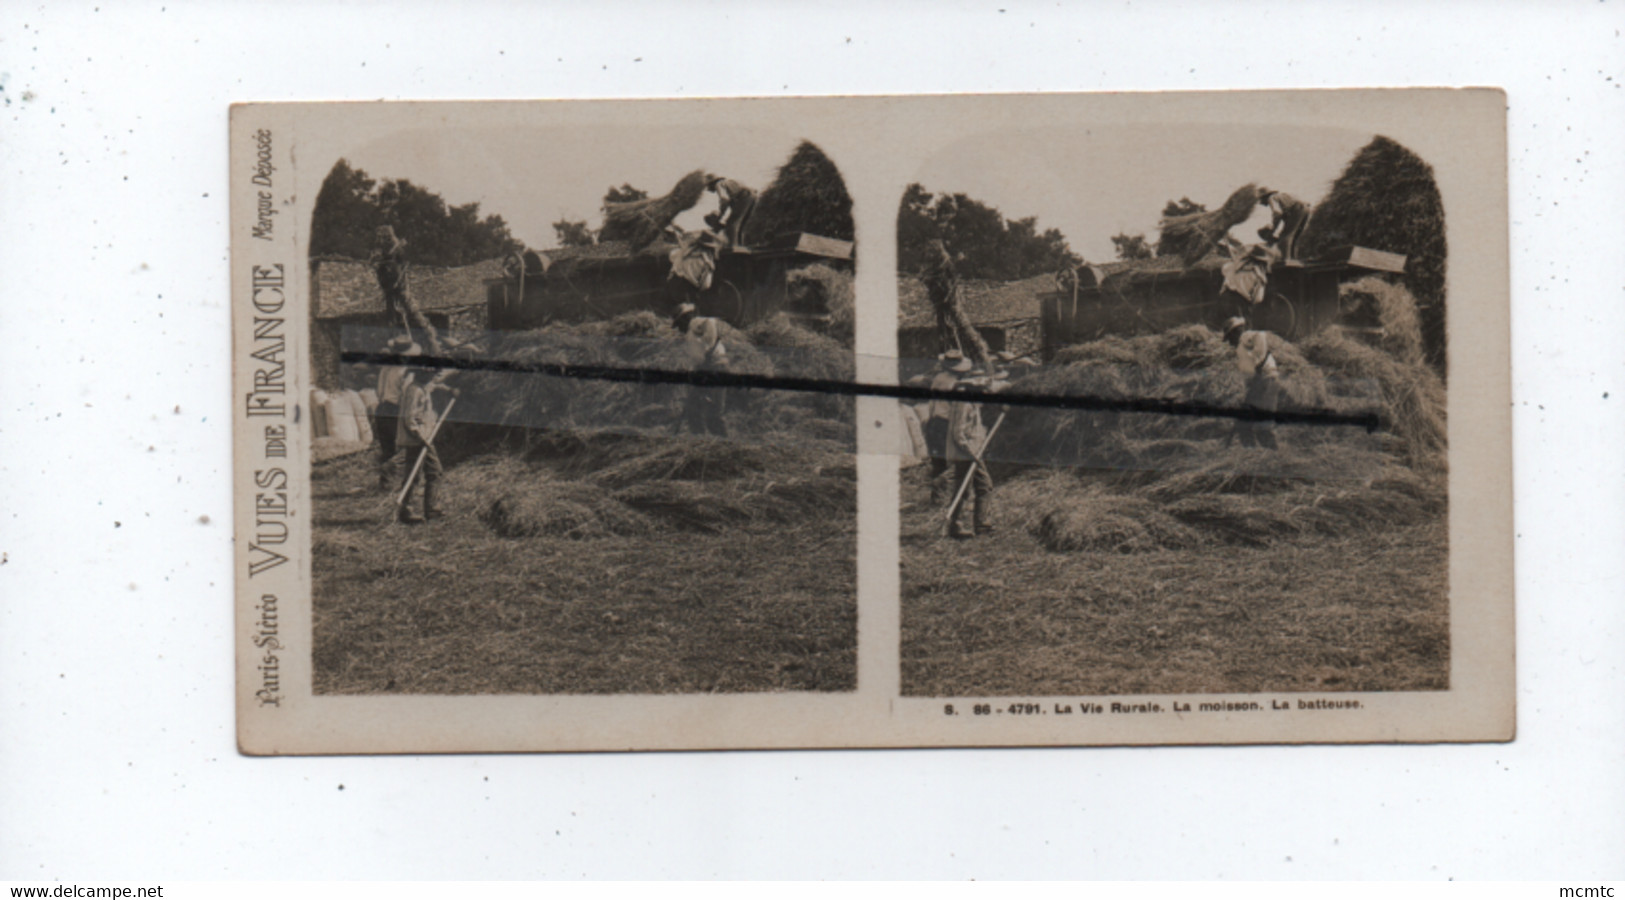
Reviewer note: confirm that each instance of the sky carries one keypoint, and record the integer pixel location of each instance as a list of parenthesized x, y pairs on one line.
[(1091, 183), (535, 177), (1095, 183)]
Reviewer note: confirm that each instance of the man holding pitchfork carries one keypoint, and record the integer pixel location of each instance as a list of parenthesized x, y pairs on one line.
[(968, 438), (415, 435)]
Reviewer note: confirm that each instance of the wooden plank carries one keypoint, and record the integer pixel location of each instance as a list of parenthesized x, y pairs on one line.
[(818, 245), (1367, 258)]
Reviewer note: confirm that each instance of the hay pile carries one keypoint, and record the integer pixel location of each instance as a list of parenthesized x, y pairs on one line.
[(642, 222), (1189, 364), (614, 485), (1068, 512), (1133, 482), (1391, 308), (1196, 235), (1411, 397), (643, 340), (822, 286)]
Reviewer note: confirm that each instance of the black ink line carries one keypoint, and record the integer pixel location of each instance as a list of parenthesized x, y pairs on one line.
[(623, 374)]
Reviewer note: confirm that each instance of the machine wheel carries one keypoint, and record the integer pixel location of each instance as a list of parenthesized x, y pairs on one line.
[(1278, 315), (728, 303)]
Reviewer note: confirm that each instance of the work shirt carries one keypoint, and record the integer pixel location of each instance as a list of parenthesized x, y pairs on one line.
[(966, 433), (417, 416), (942, 409), (706, 333), (729, 192), (389, 262), (1284, 205), (1253, 354), (390, 380), (694, 260)]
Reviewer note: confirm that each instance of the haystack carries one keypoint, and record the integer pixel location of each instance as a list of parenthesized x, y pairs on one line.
[(1392, 308), (642, 222), (830, 288), (1198, 234), (560, 509), (1413, 401)]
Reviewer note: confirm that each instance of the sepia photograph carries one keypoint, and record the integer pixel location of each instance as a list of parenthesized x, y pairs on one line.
[(547, 453), (1246, 489), (581, 425)]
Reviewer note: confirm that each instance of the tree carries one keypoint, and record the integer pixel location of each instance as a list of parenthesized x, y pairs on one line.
[(573, 234), (351, 205), (808, 194), (916, 228), (1184, 206), (1132, 247), (1386, 199), (624, 194), (984, 243), (1168, 245), (346, 215)]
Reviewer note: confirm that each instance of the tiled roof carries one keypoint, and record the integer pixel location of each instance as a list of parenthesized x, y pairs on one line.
[(348, 287), (985, 302)]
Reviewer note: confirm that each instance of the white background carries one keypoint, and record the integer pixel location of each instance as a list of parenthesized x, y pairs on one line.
[(116, 723)]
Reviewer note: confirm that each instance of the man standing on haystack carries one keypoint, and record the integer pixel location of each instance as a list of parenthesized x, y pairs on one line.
[(415, 435), (703, 408), (954, 328), (389, 264), (1288, 216), (1257, 363), (950, 366), (386, 419), (735, 203), (967, 449)]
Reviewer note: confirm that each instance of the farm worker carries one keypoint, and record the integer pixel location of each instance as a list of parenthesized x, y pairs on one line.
[(950, 366), (693, 262), (703, 409), (735, 203), (1288, 216), (414, 434), (389, 264), (967, 439), (391, 381), (1247, 274), (1255, 360)]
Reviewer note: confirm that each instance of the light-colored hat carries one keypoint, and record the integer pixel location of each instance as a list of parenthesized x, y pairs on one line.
[(962, 365), (1234, 323), (684, 309)]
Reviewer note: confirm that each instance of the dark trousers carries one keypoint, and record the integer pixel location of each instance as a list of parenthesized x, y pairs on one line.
[(744, 203), (936, 448), (429, 474), (384, 422), (979, 495), (1263, 395), (703, 408)]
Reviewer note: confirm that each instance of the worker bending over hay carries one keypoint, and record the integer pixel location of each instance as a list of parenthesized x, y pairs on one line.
[(1255, 360)]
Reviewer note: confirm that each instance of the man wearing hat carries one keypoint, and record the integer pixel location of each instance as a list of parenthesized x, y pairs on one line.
[(391, 380), (415, 434), (1288, 216), (1257, 363), (950, 367), (967, 440), (703, 409), (389, 264), (735, 203)]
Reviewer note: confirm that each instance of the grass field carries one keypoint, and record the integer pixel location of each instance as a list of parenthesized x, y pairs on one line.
[(731, 599), (1001, 615)]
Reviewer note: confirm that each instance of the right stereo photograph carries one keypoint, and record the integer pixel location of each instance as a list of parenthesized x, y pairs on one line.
[(1178, 422)]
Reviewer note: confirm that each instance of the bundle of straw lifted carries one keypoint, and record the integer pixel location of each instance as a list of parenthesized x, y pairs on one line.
[(641, 222), (1198, 234)]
